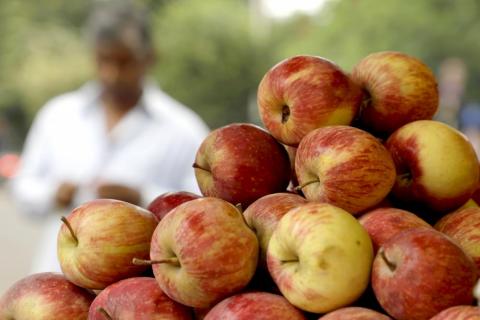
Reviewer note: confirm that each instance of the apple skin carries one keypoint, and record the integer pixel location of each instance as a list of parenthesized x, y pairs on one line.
[(303, 93), (320, 257), (459, 313), (354, 313), (216, 250), (165, 202), (263, 215), (44, 296), (383, 223), (346, 167), (137, 298), (436, 165), (110, 234), (420, 272), (463, 226), (400, 89), (254, 305), (240, 163)]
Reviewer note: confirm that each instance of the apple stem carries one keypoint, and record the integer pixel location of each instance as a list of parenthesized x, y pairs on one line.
[(104, 313), (405, 177), (392, 266), (69, 226), (239, 207), (142, 262), (365, 102), (300, 187), (196, 166)]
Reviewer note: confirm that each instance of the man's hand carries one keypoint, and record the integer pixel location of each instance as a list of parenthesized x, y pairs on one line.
[(65, 193), (118, 192)]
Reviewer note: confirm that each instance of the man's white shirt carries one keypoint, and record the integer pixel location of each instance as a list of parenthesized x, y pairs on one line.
[(152, 149)]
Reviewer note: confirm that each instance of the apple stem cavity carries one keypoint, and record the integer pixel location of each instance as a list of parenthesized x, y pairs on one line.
[(366, 102), (285, 113), (405, 178), (142, 262), (196, 166), (392, 266), (69, 226), (104, 313), (300, 187)]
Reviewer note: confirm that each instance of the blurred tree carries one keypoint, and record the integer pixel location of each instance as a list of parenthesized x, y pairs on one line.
[(208, 58)]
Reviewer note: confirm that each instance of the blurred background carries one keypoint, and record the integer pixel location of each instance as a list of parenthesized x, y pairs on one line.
[(212, 55)]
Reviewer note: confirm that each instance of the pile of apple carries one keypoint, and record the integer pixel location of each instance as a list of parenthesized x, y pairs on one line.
[(352, 204)]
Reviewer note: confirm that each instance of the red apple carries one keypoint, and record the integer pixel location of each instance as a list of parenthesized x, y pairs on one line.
[(354, 313), (203, 251), (263, 215), (241, 163), (383, 223), (399, 89), (420, 272), (436, 165), (320, 257), (255, 305), (165, 202), (45, 296), (303, 93), (464, 227), (99, 239), (344, 166), (459, 313), (136, 298)]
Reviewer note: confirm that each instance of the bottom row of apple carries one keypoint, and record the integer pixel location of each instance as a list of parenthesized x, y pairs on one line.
[(212, 261)]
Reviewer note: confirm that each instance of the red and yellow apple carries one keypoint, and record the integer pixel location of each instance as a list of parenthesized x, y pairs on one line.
[(344, 166), (138, 298), (320, 257), (254, 305), (398, 89), (203, 251), (463, 226), (383, 223), (263, 215), (240, 163), (303, 93), (45, 296), (436, 165), (420, 272), (99, 239), (354, 313), (459, 313)]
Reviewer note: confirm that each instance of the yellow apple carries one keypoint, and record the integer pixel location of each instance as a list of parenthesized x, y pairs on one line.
[(320, 257)]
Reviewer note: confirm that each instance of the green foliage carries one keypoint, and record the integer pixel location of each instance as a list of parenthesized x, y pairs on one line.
[(208, 58)]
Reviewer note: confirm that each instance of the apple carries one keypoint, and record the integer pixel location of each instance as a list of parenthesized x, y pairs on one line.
[(344, 166), (99, 239), (463, 226), (398, 89), (383, 223), (240, 163), (303, 93), (136, 298), (45, 296), (165, 202), (420, 272), (320, 257), (263, 215), (354, 313), (254, 305), (436, 165), (459, 313), (202, 252)]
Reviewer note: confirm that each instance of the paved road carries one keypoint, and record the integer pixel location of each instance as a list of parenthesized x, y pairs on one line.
[(18, 235)]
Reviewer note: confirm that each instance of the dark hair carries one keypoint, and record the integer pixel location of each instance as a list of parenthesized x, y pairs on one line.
[(120, 22)]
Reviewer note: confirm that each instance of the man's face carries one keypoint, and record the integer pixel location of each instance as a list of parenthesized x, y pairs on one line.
[(120, 71)]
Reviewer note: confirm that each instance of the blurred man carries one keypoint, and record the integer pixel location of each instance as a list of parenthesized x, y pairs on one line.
[(116, 137)]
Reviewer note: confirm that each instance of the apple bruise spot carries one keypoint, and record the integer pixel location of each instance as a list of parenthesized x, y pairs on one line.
[(285, 114), (391, 266)]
